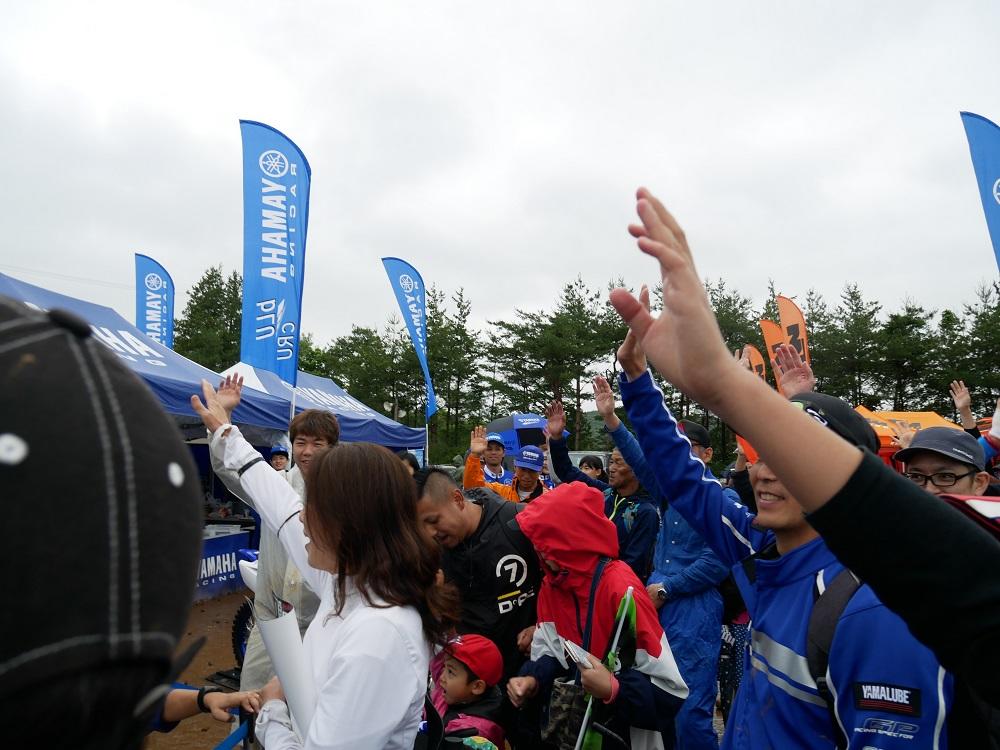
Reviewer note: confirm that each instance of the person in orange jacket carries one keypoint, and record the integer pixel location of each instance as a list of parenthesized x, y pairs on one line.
[(527, 466)]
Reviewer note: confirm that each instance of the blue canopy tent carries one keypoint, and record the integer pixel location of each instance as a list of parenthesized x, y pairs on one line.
[(171, 377), (358, 422)]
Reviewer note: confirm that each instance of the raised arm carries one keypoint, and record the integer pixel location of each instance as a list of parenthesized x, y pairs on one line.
[(684, 344), (273, 498), (559, 451), (824, 472)]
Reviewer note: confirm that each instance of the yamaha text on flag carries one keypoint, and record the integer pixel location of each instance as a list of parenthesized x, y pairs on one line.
[(154, 300), (984, 145), (410, 293), (275, 219)]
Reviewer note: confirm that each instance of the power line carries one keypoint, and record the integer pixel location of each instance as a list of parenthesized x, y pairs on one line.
[(67, 277)]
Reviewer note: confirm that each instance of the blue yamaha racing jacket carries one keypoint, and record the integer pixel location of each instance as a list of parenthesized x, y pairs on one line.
[(889, 690)]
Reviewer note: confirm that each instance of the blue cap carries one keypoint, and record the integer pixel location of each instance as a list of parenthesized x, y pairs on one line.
[(530, 457), (494, 437), (279, 449)]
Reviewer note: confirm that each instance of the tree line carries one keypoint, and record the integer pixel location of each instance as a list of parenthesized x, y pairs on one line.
[(899, 359)]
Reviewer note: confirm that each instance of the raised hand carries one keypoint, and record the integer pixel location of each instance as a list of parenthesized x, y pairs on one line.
[(630, 354), (556, 415), (683, 342), (230, 391), (960, 395), (902, 434), (212, 412), (794, 375), (743, 357), (477, 440), (604, 397)]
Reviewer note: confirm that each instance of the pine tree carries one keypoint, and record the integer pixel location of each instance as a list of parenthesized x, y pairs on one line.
[(208, 330)]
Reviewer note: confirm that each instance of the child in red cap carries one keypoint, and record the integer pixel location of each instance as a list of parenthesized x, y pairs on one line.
[(465, 692)]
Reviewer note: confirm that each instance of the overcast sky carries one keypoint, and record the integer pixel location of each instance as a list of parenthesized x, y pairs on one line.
[(497, 146)]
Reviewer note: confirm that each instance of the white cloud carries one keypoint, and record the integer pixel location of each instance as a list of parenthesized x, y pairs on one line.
[(497, 147)]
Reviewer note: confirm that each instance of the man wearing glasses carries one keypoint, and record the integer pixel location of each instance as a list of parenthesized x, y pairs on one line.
[(945, 461)]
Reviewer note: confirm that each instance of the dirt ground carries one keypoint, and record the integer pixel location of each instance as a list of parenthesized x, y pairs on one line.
[(212, 619)]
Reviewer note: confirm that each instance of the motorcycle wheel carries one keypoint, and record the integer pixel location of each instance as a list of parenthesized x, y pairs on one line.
[(243, 622)]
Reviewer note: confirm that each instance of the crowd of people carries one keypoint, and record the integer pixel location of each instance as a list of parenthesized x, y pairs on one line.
[(817, 596)]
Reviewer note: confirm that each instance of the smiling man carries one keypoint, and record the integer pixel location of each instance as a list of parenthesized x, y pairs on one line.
[(871, 684), (945, 461)]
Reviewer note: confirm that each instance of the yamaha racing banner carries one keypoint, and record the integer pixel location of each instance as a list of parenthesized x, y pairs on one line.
[(984, 145), (275, 218), (154, 300), (409, 289)]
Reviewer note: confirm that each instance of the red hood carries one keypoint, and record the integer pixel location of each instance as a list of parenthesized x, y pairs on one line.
[(567, 525)]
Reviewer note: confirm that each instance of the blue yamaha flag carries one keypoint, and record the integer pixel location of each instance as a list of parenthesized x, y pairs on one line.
[(984, 145), (409, 289), (275, 218), (154, 300)]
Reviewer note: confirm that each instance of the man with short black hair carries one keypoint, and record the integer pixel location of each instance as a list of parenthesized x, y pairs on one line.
[(945, 461), (491, 562)]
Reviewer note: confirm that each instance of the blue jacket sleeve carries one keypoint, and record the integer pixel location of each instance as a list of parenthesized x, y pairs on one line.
[(628, 446), (723, 523), (563, 466), (643, 705), (705, 573), (545, 670)]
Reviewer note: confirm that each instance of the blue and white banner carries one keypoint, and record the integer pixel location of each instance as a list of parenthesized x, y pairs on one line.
[(276, 179), (984, 145), (409, 289), (154, 300)]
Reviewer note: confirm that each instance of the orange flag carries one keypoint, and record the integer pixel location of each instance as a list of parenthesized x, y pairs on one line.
[(756, 360), (793, 327), (774, 338)]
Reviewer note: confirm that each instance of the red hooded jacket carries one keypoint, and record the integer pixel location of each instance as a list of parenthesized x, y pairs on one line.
[(567, 526)]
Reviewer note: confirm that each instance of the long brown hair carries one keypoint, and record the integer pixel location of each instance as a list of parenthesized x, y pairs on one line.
[(362, 507)]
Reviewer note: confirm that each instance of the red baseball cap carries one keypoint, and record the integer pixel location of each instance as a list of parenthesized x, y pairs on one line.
[(479, 654)]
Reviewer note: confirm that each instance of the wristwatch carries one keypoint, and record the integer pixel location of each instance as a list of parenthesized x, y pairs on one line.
[(661, 593), (202, 692)]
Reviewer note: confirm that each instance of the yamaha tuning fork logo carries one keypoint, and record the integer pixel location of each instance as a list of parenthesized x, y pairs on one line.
[(273, 163), (406, 283)]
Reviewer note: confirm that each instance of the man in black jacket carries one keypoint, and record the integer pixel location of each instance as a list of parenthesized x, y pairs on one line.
[(492, 563)]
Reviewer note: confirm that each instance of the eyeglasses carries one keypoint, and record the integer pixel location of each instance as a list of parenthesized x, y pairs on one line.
[(941, 479)]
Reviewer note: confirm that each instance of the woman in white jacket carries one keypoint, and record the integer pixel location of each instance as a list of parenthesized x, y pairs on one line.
[(359, 547)]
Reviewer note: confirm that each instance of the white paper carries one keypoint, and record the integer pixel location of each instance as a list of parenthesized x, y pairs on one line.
[(284, 646)]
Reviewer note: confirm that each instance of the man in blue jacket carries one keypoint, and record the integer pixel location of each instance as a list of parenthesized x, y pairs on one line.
[(627, 502), (882, 687), (683, 584)]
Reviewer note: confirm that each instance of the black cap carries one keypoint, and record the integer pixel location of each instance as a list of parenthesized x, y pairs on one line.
[(101, 512), (696, 433), (839, 417), (957, 445)]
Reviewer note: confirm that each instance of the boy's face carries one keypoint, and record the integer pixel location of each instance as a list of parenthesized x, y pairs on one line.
[(455, 683), (776, 508)]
